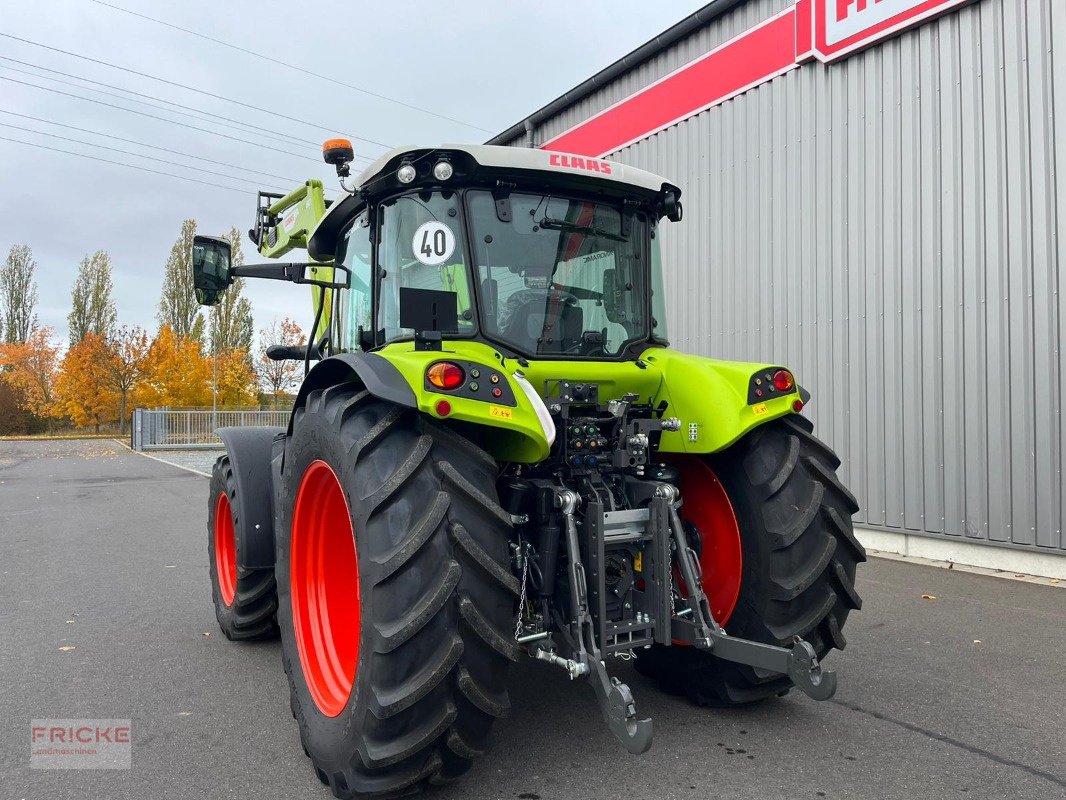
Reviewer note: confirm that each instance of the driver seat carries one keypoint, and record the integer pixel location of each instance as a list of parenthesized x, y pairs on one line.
[(547, 320)]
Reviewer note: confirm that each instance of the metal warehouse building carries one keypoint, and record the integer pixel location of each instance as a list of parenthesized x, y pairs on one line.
[(872, 196)]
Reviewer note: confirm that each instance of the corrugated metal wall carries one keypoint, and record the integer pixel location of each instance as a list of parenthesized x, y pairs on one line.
[(888, 225)]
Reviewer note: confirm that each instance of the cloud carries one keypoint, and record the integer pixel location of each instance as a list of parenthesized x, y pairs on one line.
[(491, 64)]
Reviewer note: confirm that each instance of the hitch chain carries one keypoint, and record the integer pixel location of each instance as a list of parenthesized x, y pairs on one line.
[(521, 554)]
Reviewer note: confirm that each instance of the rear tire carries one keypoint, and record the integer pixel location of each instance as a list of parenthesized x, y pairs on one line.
[(799, 559), (436, 597), (246, 600)]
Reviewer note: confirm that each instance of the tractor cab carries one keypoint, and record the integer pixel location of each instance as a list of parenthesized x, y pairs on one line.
[(541, 255)]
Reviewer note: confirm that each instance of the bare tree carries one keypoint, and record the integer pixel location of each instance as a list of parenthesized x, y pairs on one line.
[(177, 304), (279, 376), (127, 354), (92, 308), (18, 295)]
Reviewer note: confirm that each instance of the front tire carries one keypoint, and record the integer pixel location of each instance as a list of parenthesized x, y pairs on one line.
[(245, 599), (799, 555), (422, 644)]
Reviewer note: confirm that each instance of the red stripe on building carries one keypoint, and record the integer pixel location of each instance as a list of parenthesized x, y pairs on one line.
[(751, 58), (754, 57)]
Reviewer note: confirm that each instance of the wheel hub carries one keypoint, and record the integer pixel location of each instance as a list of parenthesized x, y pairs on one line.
[(324, 583), (225, 550), (707, 508)]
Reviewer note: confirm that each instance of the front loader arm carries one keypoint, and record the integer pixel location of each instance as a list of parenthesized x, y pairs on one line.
[(284, 223)]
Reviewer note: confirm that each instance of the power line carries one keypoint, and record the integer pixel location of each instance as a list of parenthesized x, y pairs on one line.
[(143, 144), (292, 66), (265, 132), (71, 84), (123, 164), (181, 86), (158, 99), (153, 116), (136, 155)]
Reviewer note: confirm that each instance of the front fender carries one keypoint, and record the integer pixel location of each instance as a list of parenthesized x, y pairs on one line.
[(249, 450), (713, 399)]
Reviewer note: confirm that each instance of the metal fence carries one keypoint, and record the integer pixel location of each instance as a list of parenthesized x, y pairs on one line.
[(169, 429)]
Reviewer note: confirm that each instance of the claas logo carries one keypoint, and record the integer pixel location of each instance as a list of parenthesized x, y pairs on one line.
[(577, 162)]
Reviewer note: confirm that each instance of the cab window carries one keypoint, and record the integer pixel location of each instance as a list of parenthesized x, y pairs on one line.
[(420, 246), (353, 304)]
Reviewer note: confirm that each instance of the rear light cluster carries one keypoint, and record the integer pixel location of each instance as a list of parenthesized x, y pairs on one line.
[(771, 383), (445, 375), (467, 380)]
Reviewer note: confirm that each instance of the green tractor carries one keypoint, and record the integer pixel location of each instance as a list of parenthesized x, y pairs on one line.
[(497, 455)]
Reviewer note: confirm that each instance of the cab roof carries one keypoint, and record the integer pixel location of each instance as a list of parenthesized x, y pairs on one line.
[(521, 158), (484, 164)]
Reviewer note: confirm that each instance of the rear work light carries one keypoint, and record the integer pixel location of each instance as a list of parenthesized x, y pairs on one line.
[(445, 375), (783, 380)]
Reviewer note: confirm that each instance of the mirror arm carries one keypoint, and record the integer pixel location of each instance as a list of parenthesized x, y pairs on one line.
[(293, 272), (269, 271)]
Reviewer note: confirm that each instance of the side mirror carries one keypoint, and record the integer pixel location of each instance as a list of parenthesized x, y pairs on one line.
[(210, 268), (672, 208)]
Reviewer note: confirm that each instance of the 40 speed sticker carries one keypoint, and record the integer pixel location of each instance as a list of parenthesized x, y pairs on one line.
[(433, 243)]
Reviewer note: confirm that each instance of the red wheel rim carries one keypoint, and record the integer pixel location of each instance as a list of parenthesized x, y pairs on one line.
[(706, 506), (324, 580), (225, 550)]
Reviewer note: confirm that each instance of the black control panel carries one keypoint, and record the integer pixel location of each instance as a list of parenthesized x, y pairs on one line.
[(480, 383)]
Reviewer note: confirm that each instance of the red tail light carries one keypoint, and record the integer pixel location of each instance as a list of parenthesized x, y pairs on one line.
[(783, 380), (445, 375)]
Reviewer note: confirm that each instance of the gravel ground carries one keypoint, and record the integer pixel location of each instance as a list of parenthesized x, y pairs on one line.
[(199, 461), (107, 614)]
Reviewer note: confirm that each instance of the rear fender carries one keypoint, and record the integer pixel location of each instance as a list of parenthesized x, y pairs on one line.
[(510, 430), (377, 375), (715, 400), (250, 450)]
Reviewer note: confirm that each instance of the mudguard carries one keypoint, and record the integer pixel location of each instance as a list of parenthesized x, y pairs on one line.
[(377, 374), (715, 399), (249, 450)]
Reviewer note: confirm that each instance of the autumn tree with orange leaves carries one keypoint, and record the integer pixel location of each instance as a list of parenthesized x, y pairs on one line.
[(29, 368), (236, 380), (174, 373), (83, 390)]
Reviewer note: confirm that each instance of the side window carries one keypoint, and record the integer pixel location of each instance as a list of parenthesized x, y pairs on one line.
[(354, 304), (421, 246)]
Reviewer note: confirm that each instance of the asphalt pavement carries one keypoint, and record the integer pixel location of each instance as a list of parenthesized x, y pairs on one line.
[(106, 613)]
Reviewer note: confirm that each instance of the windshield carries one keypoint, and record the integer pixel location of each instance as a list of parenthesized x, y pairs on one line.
[(560, 276)]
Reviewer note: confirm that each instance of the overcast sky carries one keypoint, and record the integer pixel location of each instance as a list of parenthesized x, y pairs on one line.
[(485, 63)]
